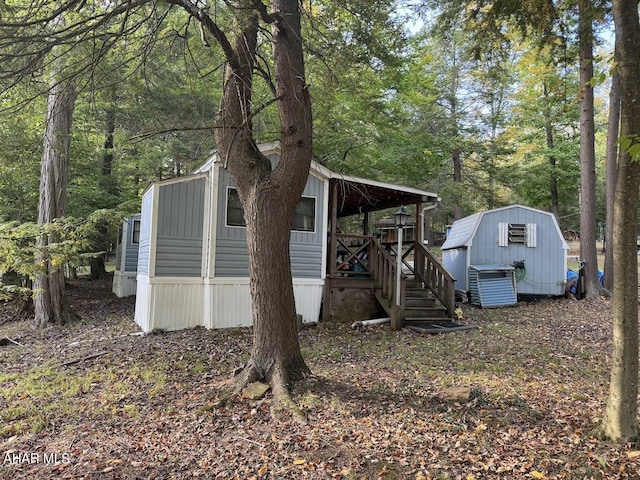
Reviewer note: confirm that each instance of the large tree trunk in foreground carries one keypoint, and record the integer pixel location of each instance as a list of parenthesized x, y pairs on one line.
[(588, 250), (621, 416), (268, 195), (50, 302), (613, 129)]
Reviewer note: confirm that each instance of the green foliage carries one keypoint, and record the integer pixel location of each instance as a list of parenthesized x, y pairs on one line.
[(631, 145), (388, 103), (71, 241), (21, 140)]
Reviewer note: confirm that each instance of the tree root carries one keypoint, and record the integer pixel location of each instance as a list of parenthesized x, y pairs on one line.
[(282, 405)]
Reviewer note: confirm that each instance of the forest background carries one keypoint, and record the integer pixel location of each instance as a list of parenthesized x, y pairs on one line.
[(400, 93), (414, 94)]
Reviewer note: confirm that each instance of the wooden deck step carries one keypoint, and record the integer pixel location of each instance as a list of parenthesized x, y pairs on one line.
[(412, 302), (429, 310), (422, 307)]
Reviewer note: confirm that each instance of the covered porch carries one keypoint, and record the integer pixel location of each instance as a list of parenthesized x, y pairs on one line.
[(361, 278)]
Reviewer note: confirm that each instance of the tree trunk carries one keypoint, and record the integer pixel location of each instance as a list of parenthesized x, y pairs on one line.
[(269, 196), (554, 202), (98, 271), (621, 415), (276, 351), (106, 161), (613, 130), (101, 239), (50, 302), (588, 250), (457, 178)]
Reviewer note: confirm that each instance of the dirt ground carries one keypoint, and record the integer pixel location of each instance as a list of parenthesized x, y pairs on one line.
[(91, 400)]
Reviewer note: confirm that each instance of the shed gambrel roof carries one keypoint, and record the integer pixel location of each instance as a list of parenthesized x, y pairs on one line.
[(463, 230)]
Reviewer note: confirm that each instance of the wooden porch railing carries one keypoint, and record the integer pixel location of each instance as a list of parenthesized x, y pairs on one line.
[(430, 271), (383, 268), (365, 256), (353, 252)]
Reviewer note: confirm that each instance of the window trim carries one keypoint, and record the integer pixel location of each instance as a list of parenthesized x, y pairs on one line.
[(314, 218), (315, 213), (135, 230), (226, 210)]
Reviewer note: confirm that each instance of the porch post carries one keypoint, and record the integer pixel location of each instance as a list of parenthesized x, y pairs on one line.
[(333, 253), (418, 260), (334, 227)]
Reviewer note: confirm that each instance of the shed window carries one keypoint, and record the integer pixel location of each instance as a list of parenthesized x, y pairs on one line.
[(135, 235), (304, 216), (515, 234)]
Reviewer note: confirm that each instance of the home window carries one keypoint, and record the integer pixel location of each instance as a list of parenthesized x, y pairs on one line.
[(135, 236), (304, 216), (517, 234), (235, 215)]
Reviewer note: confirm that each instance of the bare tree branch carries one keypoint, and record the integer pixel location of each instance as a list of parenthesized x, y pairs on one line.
[(144, 136), (212, 27)]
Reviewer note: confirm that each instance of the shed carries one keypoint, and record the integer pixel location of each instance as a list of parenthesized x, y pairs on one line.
[(525, 238), (193, 264), (124, 276)]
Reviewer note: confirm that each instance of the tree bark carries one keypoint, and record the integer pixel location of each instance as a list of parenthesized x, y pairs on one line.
[(621, 415), (269, 195), (613, 129), (456, 157), (554, 202), (106, 161), (588, 250), (50, 303), (97, 264)]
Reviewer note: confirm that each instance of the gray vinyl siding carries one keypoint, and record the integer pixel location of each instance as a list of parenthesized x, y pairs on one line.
[(129, 248), (306, 260), (231, 257), (180, 228), (144, 247)]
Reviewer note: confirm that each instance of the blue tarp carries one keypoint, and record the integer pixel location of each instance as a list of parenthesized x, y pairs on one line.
[(574, 275)]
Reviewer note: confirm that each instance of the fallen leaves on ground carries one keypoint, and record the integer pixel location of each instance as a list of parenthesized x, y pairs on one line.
[(534, 379)]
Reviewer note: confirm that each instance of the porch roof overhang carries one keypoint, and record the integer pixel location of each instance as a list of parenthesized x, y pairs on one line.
[(361, 195)]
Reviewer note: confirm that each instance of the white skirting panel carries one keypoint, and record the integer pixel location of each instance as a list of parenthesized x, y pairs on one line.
[(124, 284), (228, 305), (143, 303), (227, 302), (169, 303), (177, 303), (308, 295)]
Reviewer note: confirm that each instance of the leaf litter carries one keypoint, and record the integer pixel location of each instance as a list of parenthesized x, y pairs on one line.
[(531, 383)]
